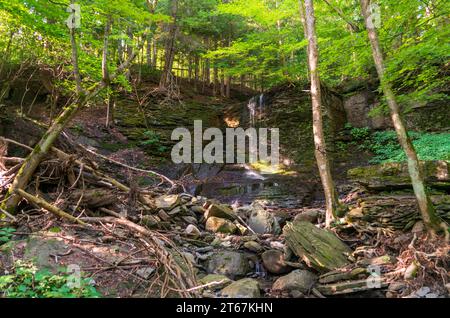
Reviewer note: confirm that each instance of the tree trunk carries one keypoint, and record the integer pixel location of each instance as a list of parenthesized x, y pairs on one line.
[(170, 47), (428, 213), (228, 86), (331, 197), (105, 70)]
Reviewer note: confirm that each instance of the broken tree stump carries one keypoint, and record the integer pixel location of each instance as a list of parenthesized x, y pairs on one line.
[(319, 249)]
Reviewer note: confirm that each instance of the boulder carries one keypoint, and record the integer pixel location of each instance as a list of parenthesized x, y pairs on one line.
[(244, 288), (263, 222), (150, 221), (273, 261), (167, 202), (220, 211), (319, 249), (311, 216), (299, 280), (193, 231), (253, 246), (230, 263), (395, 175), (218, 225), (41, 251)]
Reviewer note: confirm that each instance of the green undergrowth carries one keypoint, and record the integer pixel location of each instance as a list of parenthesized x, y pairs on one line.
[(385, 147), (26, 281)]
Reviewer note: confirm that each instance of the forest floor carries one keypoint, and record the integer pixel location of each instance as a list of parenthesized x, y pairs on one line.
[(216, 231)]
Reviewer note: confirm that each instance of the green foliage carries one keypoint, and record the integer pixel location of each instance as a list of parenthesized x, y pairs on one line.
[(428, 146), (385, 147), (27, 282), (6, 234), (152, 140)]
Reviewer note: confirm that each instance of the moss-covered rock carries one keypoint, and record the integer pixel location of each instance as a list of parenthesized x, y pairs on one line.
[(390, 176), (319, 249)]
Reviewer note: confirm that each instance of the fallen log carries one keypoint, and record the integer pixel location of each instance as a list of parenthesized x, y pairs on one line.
[(49, 207)]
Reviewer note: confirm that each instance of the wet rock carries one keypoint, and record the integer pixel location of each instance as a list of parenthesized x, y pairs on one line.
[(167, 202), (273, 261), (218, 225), (215, 281), (299, 280), (244, 288), (253, 246), (263, 222), (230, 263), (319, 249), (220, 211), (311, 216), (431, 295), (193, 231)]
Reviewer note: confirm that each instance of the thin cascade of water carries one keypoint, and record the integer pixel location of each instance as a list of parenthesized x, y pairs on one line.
[(252, 104), (256, 107)]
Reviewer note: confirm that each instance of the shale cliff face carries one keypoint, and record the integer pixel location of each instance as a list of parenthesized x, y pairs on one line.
[(288, 108)]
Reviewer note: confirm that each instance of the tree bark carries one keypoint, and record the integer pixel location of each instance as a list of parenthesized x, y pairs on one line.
[(105, 70), (170, 47), (331, 197), (428, 213)]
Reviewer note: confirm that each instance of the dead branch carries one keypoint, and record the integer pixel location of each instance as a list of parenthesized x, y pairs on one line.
[(49, 207)]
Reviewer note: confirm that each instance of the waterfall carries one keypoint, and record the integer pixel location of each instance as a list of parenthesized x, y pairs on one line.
[(256, 109), (252, 110), (261, 106)]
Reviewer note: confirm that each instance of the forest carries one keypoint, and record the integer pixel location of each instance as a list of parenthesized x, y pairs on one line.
[(224, 149)]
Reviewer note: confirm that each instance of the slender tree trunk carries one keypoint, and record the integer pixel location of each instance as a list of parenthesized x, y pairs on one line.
[(429, 216), (170, 47), (331, 197), (105, 70), (76, 70), (222, 84), (228, 86)]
